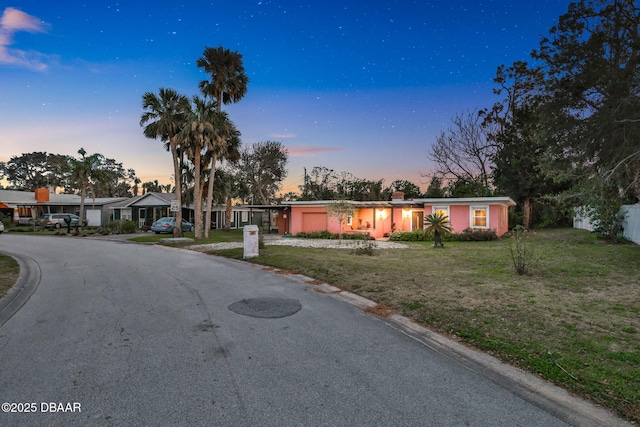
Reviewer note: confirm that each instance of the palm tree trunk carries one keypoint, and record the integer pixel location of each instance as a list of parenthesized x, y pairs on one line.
[(227, 214), (212, 174), (437, 240), (197, 197), (177, 231), (83, 191)]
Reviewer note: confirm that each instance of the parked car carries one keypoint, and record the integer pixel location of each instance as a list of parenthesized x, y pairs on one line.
[(58, 220), (166, 224)]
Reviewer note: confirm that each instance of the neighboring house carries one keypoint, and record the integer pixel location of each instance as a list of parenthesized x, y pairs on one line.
[(270, 218), (25, 206), (149, 207), (145, 209), (630, 223), (380, 218)]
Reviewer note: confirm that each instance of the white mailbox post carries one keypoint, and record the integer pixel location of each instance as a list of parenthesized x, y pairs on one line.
[(251, 240)]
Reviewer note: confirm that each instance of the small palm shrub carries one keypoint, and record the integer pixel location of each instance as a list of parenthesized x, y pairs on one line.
[(437, 225)]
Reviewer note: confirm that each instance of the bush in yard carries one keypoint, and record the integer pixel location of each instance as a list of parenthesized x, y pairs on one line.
[(474, 235), (467, 235), (365, 248), (523, 253), (118, 227), (408, 236), (317, 235), (328, 235), (128, 227)]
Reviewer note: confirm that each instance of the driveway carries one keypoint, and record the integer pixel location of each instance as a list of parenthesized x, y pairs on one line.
[(123, 334)]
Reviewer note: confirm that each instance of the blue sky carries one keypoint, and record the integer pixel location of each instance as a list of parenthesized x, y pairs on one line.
[(362, 87)]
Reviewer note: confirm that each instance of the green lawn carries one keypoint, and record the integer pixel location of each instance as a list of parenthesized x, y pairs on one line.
[(10, 272), (216, 236), (575, 321)]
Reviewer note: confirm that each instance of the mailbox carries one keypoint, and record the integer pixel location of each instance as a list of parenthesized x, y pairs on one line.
[(250, 241)]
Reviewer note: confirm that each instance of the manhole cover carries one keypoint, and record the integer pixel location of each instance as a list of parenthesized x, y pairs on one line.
[(270, 308)]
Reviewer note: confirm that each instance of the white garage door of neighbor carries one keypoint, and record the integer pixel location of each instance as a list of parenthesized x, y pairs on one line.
[(94, 217)]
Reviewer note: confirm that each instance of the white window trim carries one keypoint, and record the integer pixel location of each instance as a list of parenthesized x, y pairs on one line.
[(471, 217), (442, 208), (126, 214)]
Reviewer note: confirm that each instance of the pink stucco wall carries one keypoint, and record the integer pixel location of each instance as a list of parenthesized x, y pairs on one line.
[(460, 217), (379, 221), (297, 213), (376, 224)]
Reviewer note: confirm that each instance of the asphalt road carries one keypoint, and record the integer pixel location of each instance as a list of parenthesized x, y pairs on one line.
[(117, 334)]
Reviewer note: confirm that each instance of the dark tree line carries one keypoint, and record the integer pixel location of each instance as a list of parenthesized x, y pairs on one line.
[(566, 132), (322, 183), (47, 170)]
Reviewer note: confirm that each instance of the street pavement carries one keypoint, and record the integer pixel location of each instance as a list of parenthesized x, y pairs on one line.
[(121, 334)]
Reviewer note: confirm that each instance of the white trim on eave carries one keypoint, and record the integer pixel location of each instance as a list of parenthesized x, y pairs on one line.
[(507, 201)]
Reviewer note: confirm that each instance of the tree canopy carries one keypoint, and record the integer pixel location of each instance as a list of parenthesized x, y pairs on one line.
[(263, 167), (29, 171)]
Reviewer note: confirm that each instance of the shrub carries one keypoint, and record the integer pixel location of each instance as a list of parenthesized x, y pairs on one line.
[(523, 253), (474, 235), (128, 227), (367, 247), (317, 235), (7, 223), (408, 236), (468, 235), (328, 235), (118, 227)]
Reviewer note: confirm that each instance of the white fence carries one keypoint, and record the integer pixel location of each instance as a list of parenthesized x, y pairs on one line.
[(630, 223)]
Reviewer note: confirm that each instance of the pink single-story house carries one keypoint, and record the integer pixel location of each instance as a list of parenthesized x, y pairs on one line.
[(379, 218)]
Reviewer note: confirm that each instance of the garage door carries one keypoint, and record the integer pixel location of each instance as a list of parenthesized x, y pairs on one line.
[(314, 221)]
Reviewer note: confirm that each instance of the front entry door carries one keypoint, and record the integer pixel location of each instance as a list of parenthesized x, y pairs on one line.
[(141, 217), (417, 218)]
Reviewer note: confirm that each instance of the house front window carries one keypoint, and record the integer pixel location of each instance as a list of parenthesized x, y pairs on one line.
[(442, 210), (126, 214), (479, 216)]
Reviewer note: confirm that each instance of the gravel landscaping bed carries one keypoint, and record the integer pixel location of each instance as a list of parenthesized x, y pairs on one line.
[(303, 243)]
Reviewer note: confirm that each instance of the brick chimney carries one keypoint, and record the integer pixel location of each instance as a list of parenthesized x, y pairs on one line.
[(42, 195), (397, 195)]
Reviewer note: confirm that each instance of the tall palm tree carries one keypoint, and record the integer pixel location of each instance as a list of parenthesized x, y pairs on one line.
[(163, 119), (195, 137), (84, 172), (228, 82), (224, 145), (437, 225)]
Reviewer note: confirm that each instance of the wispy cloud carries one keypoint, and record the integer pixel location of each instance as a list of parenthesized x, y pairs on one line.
[(307, 151), (13, 21), (283, 135)]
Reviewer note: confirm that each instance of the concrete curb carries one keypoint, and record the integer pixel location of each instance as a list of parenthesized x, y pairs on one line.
[(26, 285)]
